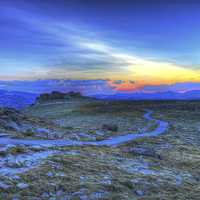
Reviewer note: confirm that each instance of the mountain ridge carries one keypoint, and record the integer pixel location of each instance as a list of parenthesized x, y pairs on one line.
[(169, 95)]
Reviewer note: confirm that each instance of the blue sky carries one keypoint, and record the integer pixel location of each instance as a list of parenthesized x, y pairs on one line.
[(119, 40)]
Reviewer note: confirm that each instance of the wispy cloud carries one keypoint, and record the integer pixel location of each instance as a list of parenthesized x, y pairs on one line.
[(73, 50)]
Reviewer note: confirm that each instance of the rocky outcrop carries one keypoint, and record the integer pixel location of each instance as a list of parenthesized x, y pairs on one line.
[(58, 95), (10, 119), (14, 121)]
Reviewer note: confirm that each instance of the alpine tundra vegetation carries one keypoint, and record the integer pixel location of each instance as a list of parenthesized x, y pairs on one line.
[(165, 166)]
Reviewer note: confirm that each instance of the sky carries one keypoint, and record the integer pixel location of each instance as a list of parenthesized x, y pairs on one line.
[(132, 44)]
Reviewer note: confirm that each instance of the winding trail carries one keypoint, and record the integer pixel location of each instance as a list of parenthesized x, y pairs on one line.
[(112, 141)]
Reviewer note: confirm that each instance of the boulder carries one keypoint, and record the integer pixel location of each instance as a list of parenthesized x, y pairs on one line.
[(110, 127), (142, 151)]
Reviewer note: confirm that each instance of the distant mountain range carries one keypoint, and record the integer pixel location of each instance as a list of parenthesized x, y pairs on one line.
[(85, 87), (190, 95), (16, 100), (19, 94)]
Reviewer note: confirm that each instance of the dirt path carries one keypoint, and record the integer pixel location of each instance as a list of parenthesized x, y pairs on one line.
[(112, 141), (20, 163)]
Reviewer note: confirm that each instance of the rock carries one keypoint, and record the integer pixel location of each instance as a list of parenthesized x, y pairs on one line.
[(60, 174), (22, 185), (42, 130), (139, 192), (59, 194), (45, 195), (87, 136), (8, 146), (83, 197), (4, 186), (99, 133), (178, 180), (15, 198), (110, 127), (50, 174), (75, 136), (98, 195), (3, 151), (28, 132), (82, 179), (37, 148), (143, 152), (73, 152), (4, 135), (13, 126), (106, 180), (15, 177), (81, 194)]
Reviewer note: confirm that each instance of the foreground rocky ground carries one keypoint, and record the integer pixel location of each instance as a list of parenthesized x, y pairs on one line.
[(164, 167)]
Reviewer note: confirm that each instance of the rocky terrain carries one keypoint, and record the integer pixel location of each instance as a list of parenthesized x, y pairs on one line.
[(161, 167)]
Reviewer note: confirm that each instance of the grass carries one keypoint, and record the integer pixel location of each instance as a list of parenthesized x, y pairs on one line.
[(89, 116), (16, 150), (117, 173)]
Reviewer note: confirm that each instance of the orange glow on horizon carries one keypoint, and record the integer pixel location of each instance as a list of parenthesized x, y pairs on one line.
[(125, 86)]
